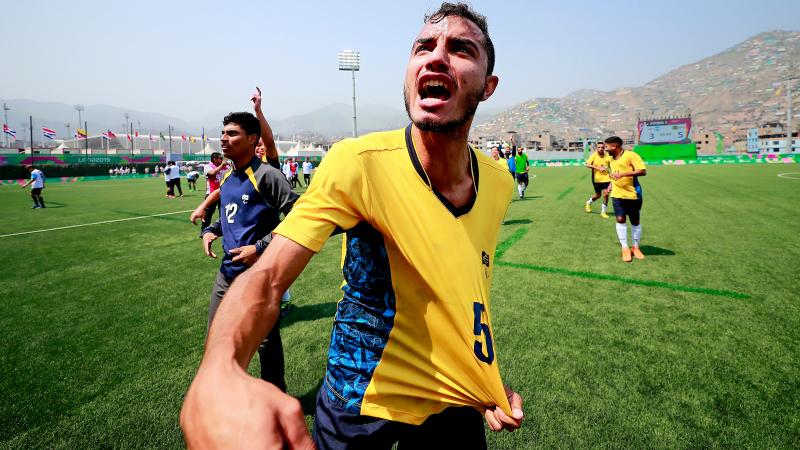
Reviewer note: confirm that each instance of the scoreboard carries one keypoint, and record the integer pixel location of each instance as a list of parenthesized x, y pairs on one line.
[(666, 131)]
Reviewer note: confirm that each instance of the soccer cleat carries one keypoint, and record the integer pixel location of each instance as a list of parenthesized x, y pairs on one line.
[(587, 207), (637, 253), (626, 254), (604, 215)]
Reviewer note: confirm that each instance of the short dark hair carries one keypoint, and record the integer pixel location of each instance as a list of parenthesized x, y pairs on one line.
[(614, 140), (246, 120), (216, 155), (465, 11), (28, 167)]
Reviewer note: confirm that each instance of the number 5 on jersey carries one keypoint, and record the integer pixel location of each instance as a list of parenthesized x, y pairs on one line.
[(481, 328), (230, 211)]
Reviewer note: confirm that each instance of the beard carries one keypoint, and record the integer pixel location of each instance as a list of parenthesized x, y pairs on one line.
[(473, 99)]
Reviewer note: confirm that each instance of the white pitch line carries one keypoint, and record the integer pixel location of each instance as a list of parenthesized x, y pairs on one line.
[(95, 223), (786, 177)]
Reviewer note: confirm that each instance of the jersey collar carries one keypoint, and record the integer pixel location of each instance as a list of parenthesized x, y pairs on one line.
[(254, 163), (455, 211)]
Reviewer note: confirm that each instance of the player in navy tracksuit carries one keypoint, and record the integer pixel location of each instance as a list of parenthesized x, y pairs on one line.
[(252, 196)]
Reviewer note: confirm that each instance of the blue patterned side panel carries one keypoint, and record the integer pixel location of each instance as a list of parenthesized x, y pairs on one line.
[(364, 318), (637, 187)]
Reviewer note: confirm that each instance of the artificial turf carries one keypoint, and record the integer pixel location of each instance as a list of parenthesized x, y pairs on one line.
[(696, 346)]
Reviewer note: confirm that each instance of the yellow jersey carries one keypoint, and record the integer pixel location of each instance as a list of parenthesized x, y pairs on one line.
[(412, 333), (596, 160), (502, 163), (626, 187)]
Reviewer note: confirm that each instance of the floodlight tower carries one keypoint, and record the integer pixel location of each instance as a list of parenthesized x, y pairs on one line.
[(351, 60)]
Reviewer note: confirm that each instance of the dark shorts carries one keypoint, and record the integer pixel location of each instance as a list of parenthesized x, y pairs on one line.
[(598, 187), (36, 191), (522, 178), (337, 429), (627, 207)]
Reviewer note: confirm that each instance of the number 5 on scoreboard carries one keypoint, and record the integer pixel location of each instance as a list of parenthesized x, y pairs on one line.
[(481, 328)]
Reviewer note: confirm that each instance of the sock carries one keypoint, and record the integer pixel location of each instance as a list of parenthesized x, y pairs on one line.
[(41, 201), (35, 200), (636, 234), (590, 201), (622, 234), (520, 190), (604, 208)]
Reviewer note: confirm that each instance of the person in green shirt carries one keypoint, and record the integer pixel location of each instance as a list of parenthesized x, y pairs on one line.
[(521, 167)]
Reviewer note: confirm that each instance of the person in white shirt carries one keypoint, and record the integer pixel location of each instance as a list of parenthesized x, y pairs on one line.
[(307, 169), (37, 180), (175, 177), (287, 169)]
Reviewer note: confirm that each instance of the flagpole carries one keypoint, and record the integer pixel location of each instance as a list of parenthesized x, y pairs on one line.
[(86, 147), (31, 122)]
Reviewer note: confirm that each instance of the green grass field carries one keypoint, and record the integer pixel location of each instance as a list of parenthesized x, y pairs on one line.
[(696, 346)]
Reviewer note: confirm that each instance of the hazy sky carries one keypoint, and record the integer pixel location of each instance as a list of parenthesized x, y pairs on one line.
[(192, 59)]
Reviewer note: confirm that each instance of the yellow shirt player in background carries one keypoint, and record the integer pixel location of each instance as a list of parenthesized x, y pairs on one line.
[(626, 193), (599, 162), (412, 357)]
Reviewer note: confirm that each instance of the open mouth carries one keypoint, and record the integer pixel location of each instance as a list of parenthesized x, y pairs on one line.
[(434, 89)]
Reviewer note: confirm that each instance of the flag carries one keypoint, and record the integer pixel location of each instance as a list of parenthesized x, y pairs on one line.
[(161, 135), (129, 138), (80, 134), (152, 138), (9, 131), (48, 133), (109, 134), (183, 136), (137, 133), (192, 139)]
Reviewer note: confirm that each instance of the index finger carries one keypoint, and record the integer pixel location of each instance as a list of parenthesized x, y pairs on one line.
[(294, 429), (259, 90)]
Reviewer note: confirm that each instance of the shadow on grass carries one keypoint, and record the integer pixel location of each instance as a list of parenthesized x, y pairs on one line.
[(517, 222), (308, 401), (50, 204), (656, 251), (309, 312)]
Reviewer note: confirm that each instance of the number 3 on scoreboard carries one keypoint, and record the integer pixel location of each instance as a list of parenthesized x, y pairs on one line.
[(481, 328)]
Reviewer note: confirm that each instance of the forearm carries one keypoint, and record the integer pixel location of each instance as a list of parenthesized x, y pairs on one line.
[(635, 173), (239, 326), (267, 137), (210, 200)]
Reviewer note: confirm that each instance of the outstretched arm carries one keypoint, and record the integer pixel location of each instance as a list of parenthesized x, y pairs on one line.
[(225, 407), (200, 211), (266, 131)]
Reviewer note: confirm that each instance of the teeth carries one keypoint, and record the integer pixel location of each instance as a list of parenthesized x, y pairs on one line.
[(433, 83)]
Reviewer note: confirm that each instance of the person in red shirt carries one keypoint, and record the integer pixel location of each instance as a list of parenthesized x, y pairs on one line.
[(293, 168)]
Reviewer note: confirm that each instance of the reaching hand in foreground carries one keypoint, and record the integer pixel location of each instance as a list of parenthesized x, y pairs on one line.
[(232, 410)]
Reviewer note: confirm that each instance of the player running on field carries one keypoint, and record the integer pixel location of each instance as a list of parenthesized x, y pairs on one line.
[(626, 194), (599, 162), (37, 184), (521, 166), (411, 356)]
